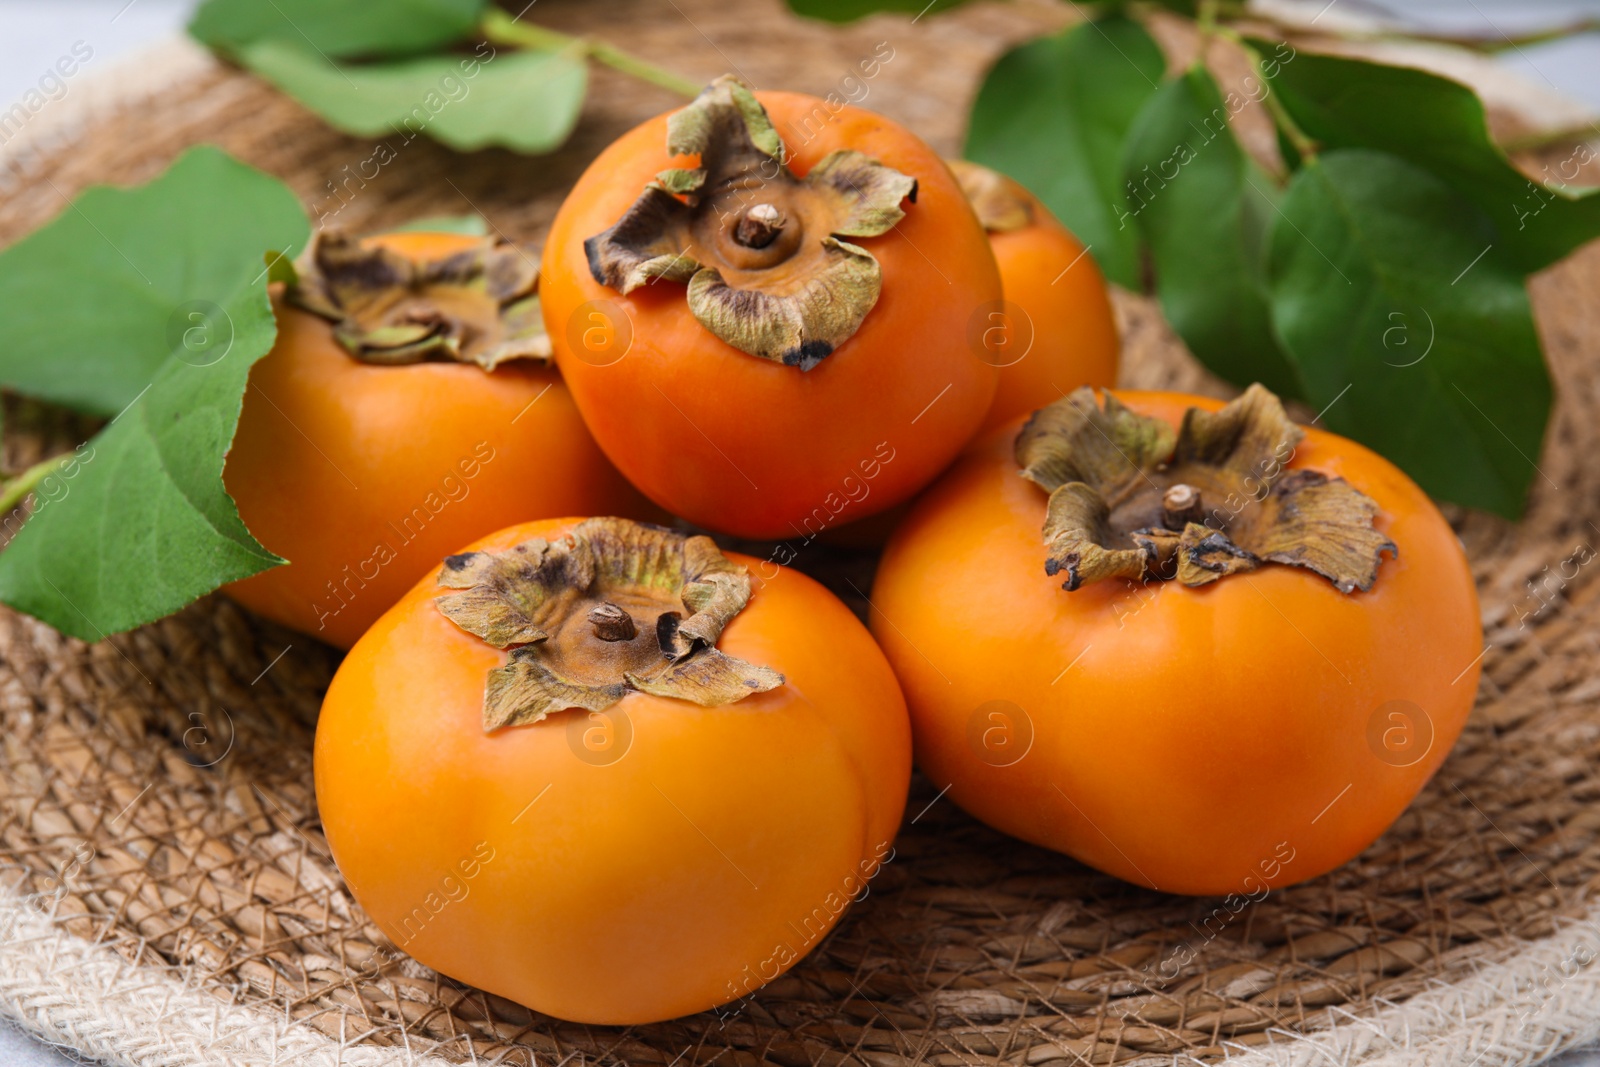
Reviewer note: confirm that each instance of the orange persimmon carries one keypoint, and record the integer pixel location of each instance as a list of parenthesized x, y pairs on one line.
[(363, 472), (666, 794), (1057, 331), (781, 334), (1231, 658)]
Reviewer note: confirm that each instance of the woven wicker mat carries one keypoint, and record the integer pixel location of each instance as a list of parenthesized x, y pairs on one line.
[(166, 896)]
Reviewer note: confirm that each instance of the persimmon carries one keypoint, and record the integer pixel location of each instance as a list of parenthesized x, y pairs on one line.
[(405, 409), (581, 767), (1235, 652), (767, 311), (1057, 331)]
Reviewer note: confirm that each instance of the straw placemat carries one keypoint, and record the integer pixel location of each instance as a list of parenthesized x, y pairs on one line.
[(166, 896)]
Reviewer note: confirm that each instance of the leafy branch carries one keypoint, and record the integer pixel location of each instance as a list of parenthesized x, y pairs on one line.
[(433, 67), (15, 490), (147, 306), (1379, 276), (1489, 45), (500, 28), (144, 308)]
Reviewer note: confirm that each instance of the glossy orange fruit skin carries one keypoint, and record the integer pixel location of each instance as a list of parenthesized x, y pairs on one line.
[(745, 445), (707, 859), (1213, 740), (364, 477), (1073, 332), (1046, 272)]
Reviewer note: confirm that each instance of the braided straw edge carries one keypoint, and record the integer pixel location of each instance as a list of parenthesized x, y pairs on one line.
[(72, 992), (69, 991), (125, 82)]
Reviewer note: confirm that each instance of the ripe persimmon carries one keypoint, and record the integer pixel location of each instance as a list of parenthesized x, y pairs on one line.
[(662, 796), (408, 411), (1057, 331), (1234, 655), (781, 338)]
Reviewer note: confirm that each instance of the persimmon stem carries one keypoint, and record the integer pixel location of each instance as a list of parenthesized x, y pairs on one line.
[(552, 665), (612, 623), (475, 305), (1133, 511), (1180, 506), (759, 227), (13, 490), (749, 216), (498, 27)]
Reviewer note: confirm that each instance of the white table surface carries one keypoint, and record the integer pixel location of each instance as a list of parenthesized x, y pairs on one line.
[(33, 35)]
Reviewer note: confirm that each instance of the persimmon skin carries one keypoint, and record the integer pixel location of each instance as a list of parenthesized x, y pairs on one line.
[(334, 458), (1045, 272), (704, 861), (1188, 739), (750, 447)]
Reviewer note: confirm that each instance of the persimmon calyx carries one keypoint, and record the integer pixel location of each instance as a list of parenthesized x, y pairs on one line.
[(612, 608), (1129, 498), (478, 305), (762, 251), (999, 202)]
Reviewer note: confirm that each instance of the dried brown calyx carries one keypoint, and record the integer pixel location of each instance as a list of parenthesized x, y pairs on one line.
[(760, 249), (1129, 498), (478, 305), (1000, 203), (612, 608)]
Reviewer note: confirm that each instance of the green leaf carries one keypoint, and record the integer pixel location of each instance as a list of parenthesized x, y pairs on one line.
[(850, 10), (1410, 330), (1204, 209), (1438, 125), (93, 304), (164, 283), (527, 100), (1054, 113), (338, 28)]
